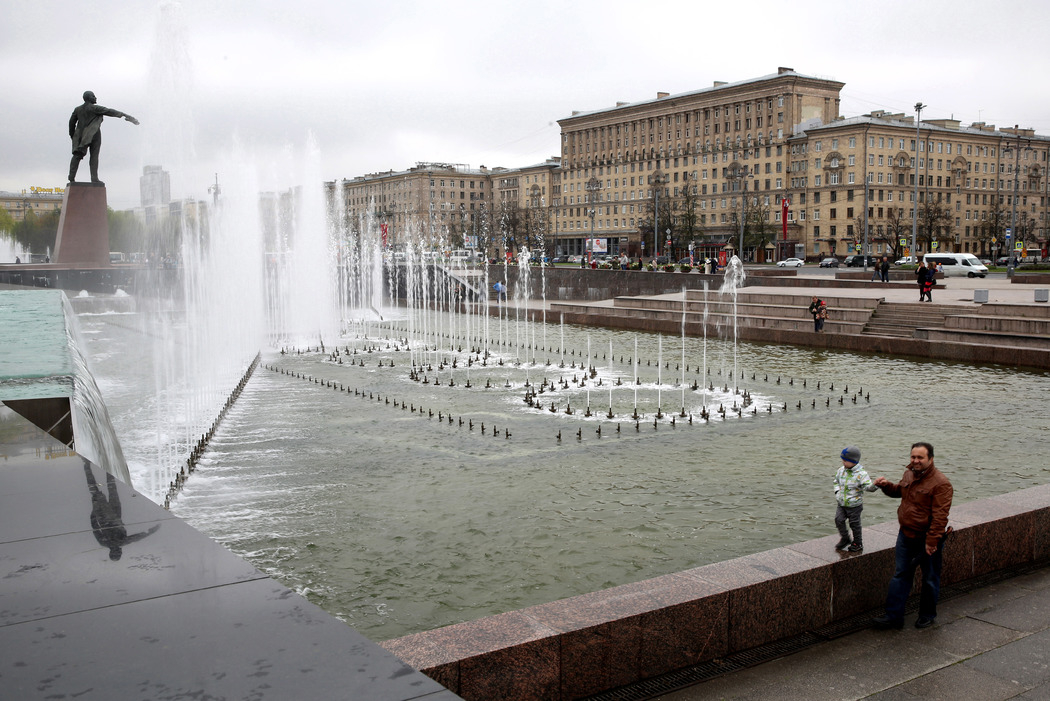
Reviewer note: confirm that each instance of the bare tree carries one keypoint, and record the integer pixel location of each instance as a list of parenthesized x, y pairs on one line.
[(510, 226), (897, 228), (688, 223), (759, 229), (992, 231), (935, 223)]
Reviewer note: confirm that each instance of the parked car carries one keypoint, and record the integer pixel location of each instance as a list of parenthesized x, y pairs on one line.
[(906, 260), (829, 263), (857, 261), (575, 258), (791, 263), (986, 262), (661, 260), (1002, 261)]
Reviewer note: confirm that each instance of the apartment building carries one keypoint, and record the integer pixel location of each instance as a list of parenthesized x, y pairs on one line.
[(430, 202), (659, 175), (688, 156), (38, 200), (970, 183), (452, 206)]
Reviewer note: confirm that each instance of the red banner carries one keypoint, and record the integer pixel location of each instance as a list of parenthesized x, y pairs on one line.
[(784, 204), (382, 227)]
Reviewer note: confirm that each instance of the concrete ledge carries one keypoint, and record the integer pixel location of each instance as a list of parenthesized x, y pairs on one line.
[(602, 640), (1032, 278)]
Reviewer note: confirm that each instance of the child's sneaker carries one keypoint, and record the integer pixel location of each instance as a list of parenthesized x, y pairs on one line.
[(855, 548), (843, 543)]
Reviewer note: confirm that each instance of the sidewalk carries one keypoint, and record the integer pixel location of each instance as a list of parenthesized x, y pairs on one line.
[(989, 644), (952, 290)]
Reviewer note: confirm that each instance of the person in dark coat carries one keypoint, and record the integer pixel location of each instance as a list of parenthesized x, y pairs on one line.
[(819, 312), (920, 279), (884, 269)]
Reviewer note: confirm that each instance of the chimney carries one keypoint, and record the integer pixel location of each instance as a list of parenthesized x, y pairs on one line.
[(662, 95), (783, 69), (720, 83)]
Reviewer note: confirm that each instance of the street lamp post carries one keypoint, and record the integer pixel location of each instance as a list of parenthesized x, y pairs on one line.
[(1012, 263), (742, 174), (915, 205), (593, 185), (658, 180)]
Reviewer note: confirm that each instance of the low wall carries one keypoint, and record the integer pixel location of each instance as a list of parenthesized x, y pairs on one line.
[(595, 285), (132, 278), (1041, 279), (602, 640)]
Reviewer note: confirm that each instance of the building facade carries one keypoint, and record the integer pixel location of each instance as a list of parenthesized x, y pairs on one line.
[(958, 189), (38, 200), (767, 166), (687, 157), (445, 206), (154, 186)]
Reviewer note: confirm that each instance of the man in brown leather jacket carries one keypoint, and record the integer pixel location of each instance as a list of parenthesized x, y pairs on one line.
[(926, 498)]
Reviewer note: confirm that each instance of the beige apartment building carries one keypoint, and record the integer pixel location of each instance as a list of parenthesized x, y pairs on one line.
[(970, 184), (690, 158), (453, 206), (424, 203), (38, 200)]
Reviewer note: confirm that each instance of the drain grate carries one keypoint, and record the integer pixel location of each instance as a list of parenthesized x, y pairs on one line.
[(688, 676)]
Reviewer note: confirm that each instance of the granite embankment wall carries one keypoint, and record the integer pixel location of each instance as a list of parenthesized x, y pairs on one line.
[(594, 642), (597, 285), (593, 285), (132, 278)]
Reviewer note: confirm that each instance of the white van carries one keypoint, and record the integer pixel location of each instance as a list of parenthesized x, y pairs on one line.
[(461, 256), (957, 264)]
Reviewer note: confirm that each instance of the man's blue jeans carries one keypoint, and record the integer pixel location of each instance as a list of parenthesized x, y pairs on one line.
[(909, 554)]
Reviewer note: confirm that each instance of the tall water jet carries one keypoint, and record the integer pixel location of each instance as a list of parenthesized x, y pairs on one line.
[(731, 284)]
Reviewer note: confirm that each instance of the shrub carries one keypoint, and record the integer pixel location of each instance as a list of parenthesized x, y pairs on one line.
[(686, 268)]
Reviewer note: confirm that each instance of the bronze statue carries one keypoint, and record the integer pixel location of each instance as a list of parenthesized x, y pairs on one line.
[(85, 128)]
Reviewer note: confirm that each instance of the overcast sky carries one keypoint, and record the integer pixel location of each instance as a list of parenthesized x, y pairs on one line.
[(375, 86)]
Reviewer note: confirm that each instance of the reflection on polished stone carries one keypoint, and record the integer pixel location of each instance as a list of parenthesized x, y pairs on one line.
[(103, 590)]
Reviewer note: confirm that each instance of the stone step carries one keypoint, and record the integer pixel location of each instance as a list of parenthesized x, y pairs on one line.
[(742, 309), (899, 331), (1040, 311), (787, 300), (1007, 339), (713, 321)]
